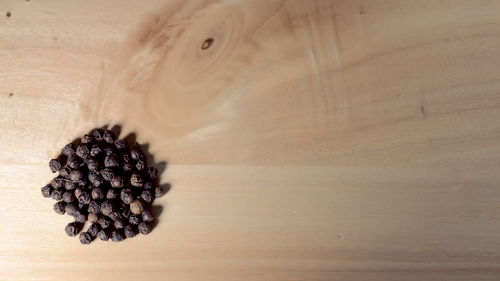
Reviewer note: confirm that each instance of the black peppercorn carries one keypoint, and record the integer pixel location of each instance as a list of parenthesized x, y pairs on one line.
[(117, 182), (78, 192), (147, 216), (119, 224), (93, 165), (108, 136), (94, 208), (105, 222), (87, 139), (116, 236), (153, 172), (135, 154), (95, 150), (82, 151), (92, 218), (95, 179), (158, 192), (127, 167), (147, 196), (103, 235), (57, 183), (113, 194), (69, 185), (81, 206), (136, 180), (85, 238), (68, 197), (94, 229), (130, 231), (73, 162), (70, 208), (121, 144), (85, 198), (106, 208), (47, 191), (136, 207), (57, 194), (126, 195), (97, 134), (69, 149), (125, 211), (59, 207), (107, 174), (147, 185), (144, 228), (80, 217), (114, 215), (125, 158), (72, 229), (108, 150), (64, 172), (55, 165), (134, 219), (111, 161), (76, 175), (140, 165), (97, 193)]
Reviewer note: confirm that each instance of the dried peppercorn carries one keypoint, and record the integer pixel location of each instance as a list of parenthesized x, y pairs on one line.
[(136, 180), (144, 228), (76, 175), (134, 219), (106, 207), (147, 196), (108, 150), (85, 198), (73, 162), (147, 216), (47, 191), (72, 229), (92, 218), (95, 150), (111, 161), (125, 211), (129, 231), (147, 185), (153, 172), (105, 222), (64, 172), (94, 229), (140, 165), (97, 193), (103, 235), (121, 144), (85, 238), (94, 208), (59, 207), (97, 134), (136, 207), (80, 216), (69, 185), (135, 154), (57, 194), (107, 174), (116, 236), (93, 165), (125, 158), (57, 183), (113, 194), (117, 182), (108, 136), (127, 167), (71, 208), (78, 192), (68, 149), (87, 139), (114, 215), (126, 195), (82, 151), (95, 179), (119, 224), (55, 165), (68, 197)]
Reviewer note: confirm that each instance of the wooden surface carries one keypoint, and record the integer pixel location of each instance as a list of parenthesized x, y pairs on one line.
[(313, 140)]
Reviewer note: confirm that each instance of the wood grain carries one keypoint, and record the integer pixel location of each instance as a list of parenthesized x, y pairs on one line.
[(313, 140)]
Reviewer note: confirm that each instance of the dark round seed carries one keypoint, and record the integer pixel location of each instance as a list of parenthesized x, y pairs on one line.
[(92, 218), (57, 194), (121, 144), (69, 185), (113, 194), (97, 134), (135, 154), (144, 228), (126, 195), (117, 182), (57, 183), (125, 211), (103, 235), (92, 165), (47, 191), (94, 208), (95, 150), (68, 149), (78, 192), (80, 217), (136, 207), (140, 165), (130, 231), (111, 161), (64, 172), (147, 196), (136, 180), (73, 162), (153, 172), (147, 216), (105, 222), (125, 158), (114, 215), (134, 219), (59, 207), (81, 206), (116, 236), (76, 175), (119, 224), (82, 151), (108, 136), (97, 193), (68, 197), (55, 165), (94, 229), (85, 238), (106, 208), (127, 167), (72, 229), (107, 174), (70, 209), (147, 185), (95, 179), (84, 198), (158, 192), (108, 150), (87, 139)]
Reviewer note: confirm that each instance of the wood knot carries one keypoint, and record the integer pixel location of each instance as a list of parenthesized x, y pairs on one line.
[(207, 43)]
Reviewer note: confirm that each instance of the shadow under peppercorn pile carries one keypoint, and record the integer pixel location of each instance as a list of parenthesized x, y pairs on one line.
[(106, 181)]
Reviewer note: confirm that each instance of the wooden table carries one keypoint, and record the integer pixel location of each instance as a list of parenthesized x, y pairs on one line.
[(305, 140)]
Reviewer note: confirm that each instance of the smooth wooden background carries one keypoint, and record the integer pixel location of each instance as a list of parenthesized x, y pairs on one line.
[(313, 140)]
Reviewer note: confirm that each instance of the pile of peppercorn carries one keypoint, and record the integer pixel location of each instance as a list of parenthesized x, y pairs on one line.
[(107, 182)]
